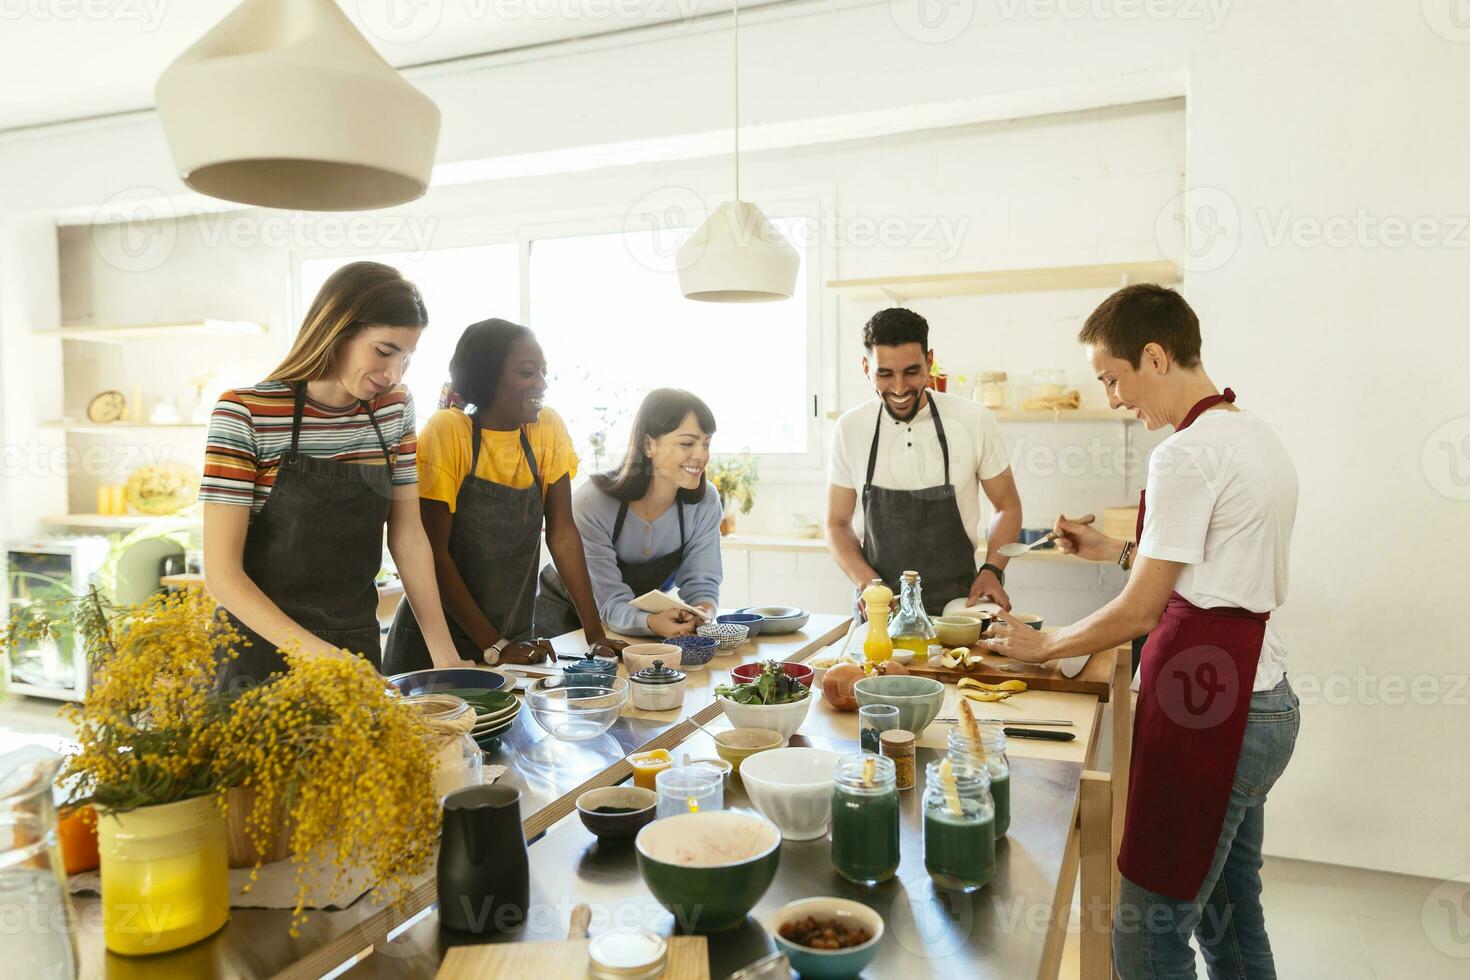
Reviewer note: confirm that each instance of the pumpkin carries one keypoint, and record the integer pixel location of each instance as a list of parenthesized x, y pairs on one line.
[(837, 686)]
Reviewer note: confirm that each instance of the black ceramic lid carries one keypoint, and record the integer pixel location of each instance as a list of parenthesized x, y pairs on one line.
[(658, 674)]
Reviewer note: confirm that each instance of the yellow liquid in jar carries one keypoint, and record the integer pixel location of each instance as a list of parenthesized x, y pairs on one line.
[(647, 766), (918, 644)]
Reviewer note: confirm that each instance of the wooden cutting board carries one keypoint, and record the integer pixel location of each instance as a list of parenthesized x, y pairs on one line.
[(1095, 678), (688, 960)]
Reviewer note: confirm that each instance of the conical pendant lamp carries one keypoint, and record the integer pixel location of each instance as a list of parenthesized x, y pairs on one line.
[(737, 255), (285, 105)]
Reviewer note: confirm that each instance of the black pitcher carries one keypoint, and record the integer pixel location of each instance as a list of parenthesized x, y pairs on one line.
[(484, 877)]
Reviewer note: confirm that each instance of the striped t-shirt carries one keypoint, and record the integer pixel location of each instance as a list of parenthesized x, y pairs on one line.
[(250, 431)]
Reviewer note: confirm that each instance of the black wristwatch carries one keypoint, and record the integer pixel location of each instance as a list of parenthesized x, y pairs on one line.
[(1000, 573)]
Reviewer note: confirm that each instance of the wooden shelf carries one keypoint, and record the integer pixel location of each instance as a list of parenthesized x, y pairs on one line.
[(112, 522), (117, 333), (1108, 276), (109, 428)]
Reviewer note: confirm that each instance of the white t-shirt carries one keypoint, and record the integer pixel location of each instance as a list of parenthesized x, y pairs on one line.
[(909, 457), (1222, 500)]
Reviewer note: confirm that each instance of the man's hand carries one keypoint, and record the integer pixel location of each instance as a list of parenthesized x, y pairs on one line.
[(1011, 637), (987, 586)]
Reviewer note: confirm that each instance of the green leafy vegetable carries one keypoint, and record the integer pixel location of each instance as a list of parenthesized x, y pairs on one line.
[(773, 686)]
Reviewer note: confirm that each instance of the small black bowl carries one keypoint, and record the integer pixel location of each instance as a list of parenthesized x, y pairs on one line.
[(615, 825)]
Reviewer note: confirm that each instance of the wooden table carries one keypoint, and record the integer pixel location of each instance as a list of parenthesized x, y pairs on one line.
[(256, 942)]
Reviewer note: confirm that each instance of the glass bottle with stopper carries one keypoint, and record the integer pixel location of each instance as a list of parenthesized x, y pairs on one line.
[(877, 647), (912, 629)]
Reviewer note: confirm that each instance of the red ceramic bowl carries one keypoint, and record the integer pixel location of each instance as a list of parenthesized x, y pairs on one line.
[(746, 673)]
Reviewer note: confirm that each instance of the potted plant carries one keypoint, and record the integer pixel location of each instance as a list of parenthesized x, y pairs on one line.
[(734, 477), (323, 748)]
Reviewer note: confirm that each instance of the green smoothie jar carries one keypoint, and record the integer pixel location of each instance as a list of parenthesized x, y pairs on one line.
[(865, 819), (959, 830), (993, 739)]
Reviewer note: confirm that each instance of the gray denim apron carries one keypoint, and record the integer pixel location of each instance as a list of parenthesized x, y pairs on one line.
[(918, 529), (495, 543), (314, 550), (555, 613)]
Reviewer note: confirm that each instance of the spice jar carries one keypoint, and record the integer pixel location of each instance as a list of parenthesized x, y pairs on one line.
[(898, 745), (657, 688), (992, 388), (865, 819), (627, 956)]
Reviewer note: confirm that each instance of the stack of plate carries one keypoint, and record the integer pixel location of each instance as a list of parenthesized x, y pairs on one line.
[(495, 712), (779, 619)]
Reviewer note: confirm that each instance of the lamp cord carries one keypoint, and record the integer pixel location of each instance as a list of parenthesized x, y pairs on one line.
[(736, 9)]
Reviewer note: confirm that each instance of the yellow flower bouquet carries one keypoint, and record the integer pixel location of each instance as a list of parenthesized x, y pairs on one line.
[(324, 748)]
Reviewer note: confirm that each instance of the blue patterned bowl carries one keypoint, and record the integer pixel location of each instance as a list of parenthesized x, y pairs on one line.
[(751, 621), (698, 650)]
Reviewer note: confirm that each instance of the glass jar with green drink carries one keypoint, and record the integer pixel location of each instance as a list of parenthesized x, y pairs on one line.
[(865, 819), (993, 740), (959, 827)]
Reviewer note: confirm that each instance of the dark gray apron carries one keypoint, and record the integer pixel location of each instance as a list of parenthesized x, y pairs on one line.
[(918, 529), (314, 550), (495, 543), (555, 613)]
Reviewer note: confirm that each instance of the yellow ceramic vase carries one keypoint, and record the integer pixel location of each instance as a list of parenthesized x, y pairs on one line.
[(165, 876)]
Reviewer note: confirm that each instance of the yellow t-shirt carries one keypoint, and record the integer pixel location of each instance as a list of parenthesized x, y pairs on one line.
[(444, 454)]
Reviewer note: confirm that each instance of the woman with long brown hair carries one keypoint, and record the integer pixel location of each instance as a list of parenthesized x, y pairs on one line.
[(303, 471), (653, 523)]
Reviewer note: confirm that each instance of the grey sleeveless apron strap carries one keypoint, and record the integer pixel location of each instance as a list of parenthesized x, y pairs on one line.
[(555, 613), (919, 529), (495, 543), (314, 550)]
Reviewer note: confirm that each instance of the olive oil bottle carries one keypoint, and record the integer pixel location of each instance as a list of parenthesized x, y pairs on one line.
[(911, 628)]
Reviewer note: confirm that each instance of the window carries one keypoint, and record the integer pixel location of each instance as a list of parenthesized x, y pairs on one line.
[(613, 328), (460, 286), (614, 325)]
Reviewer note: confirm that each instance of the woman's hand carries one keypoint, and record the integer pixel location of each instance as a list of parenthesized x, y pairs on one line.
[(1085, 542), (527, 652), (603, 647), (672, 622), (1011, 637)]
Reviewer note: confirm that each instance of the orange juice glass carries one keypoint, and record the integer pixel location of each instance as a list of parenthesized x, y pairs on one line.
[(647, 766)]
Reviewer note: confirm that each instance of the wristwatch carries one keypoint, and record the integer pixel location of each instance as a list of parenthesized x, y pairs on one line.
[(493, 651), (1000, 573)]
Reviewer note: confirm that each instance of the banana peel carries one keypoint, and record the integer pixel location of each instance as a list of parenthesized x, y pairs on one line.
[(975, 690), (1013, 685)]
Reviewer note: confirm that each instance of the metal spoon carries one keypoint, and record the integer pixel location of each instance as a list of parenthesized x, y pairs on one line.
[(1017, 550)]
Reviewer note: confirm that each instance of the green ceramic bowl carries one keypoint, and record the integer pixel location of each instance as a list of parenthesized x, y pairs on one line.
[(709, 869), (918, 699)]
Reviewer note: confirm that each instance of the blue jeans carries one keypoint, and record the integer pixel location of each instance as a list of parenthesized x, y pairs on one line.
[(1151, 931)]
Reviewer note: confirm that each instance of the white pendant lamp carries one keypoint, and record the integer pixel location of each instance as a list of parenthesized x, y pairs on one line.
[(285, 105), (737, 255)]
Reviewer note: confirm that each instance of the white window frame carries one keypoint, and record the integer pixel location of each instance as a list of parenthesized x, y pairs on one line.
[(523, 229)]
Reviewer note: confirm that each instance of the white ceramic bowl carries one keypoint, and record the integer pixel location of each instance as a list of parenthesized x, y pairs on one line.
[(793, 788), (636, 656), (783, 718)]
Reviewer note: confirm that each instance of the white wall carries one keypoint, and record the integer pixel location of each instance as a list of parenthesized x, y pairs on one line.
[(1307, 109)]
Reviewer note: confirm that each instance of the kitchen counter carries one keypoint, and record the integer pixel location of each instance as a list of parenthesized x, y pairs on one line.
[(551, 774)]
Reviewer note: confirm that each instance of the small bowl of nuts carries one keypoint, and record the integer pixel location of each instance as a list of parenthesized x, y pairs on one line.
[(827, 937)]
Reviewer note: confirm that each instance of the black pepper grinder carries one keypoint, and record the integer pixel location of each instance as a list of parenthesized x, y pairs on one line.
[(484, 878)]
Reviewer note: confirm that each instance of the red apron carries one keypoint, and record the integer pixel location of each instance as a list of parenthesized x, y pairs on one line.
[(1194, 693)]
